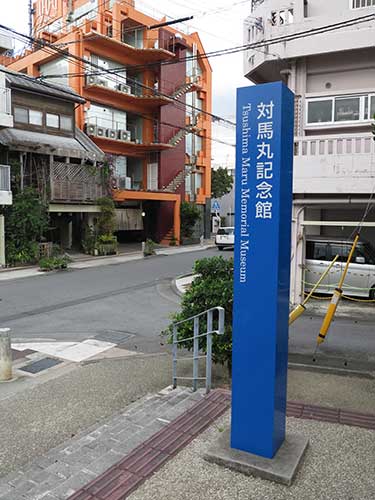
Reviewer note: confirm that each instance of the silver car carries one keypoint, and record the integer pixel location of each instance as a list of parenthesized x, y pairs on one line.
[(360, 280)]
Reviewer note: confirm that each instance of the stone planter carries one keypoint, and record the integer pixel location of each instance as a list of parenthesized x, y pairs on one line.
[(107, 248)]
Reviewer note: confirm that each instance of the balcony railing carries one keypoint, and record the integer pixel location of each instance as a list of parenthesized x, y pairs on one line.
[(4, 178), (72, 183), (334, 164), (5, 101), (334, 145)]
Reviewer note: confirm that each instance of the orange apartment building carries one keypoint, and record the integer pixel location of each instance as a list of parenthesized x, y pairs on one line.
[(146, 98)]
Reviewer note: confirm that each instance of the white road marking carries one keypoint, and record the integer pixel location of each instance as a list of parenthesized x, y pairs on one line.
[(69, 351)]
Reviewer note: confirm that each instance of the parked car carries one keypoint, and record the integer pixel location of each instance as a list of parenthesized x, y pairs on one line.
[(360, 280), (224, 237)]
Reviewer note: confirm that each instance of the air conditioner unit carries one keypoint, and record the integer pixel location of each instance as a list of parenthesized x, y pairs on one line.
[(124, 135), (100, 132), (193, 159), (92, 80), (112, 133), (91, 129), (124, 88)]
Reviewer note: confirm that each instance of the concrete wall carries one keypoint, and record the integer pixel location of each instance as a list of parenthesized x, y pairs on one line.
[(319, 13)]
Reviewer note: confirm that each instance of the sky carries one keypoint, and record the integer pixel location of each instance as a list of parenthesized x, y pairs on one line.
[(219, 25)]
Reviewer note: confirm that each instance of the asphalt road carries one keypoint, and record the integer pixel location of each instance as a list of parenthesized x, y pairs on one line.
[(135, 299)]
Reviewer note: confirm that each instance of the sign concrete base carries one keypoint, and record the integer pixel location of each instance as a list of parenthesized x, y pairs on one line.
[(281, 469)]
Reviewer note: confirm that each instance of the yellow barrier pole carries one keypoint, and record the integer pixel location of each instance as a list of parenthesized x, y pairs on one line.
[(300, 309), (337, 294)]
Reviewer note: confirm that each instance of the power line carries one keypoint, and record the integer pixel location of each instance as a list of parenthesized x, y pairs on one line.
[(55, 87), (45, 45), (264, 43), (245, 47)]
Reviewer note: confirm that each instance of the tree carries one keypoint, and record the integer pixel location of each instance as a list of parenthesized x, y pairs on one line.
[(26, 221), (190, 214), (211, 288), (221, 182)]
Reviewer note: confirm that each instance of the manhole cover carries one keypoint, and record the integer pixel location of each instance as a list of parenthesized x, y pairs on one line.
[(114, 337), (40, 365)]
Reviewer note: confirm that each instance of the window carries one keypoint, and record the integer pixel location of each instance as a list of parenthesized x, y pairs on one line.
[(372, 107), (360, 4), (316, 250), (340, 109), (342, 250), (52, 120), (347, 109), (35, 117), (319, 111), (225, 230), (31, 116), (66, 122), (21, 115)]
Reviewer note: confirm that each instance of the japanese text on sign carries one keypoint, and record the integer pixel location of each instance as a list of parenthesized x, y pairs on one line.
[(264, 165)]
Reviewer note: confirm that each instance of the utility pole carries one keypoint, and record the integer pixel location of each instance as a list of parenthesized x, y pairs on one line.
[(31, 13)]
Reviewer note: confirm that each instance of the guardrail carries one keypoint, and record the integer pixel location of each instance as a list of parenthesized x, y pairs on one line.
[(210, 331)]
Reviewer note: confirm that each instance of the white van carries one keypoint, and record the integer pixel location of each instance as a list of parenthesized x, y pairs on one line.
[(360, 280), (224, 237)]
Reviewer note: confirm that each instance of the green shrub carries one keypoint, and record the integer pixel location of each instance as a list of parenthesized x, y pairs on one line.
[(211, 288), (190, 214), (89, 240), (52, 263), (107, 239), (26, 221), (107, 218), (149, 248)]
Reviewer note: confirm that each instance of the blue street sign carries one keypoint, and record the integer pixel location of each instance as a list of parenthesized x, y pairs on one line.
[(264, 164), (215, 207)]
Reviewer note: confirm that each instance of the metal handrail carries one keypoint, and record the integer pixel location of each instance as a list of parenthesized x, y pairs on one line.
[(209, 314)]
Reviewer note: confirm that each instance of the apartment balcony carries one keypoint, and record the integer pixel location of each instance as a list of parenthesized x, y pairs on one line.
[(5, 192), (6, 118), (334, 164), (72, 183), (272, 19), (131, 96), (114, 138), (108, 44)]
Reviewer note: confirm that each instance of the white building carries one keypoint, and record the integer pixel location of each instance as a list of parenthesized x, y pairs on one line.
[(333, 77), (6, 120)]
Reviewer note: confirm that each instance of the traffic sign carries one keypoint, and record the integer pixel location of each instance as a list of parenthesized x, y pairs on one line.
[(215, 207)]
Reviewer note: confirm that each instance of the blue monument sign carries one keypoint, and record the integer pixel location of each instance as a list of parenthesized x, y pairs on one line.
[(265, 116)]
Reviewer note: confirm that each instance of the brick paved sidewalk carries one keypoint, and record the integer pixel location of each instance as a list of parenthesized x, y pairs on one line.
[(109, 462), (65, 469)]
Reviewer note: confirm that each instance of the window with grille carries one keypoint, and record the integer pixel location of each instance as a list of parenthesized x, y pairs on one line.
[(360, 4)]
